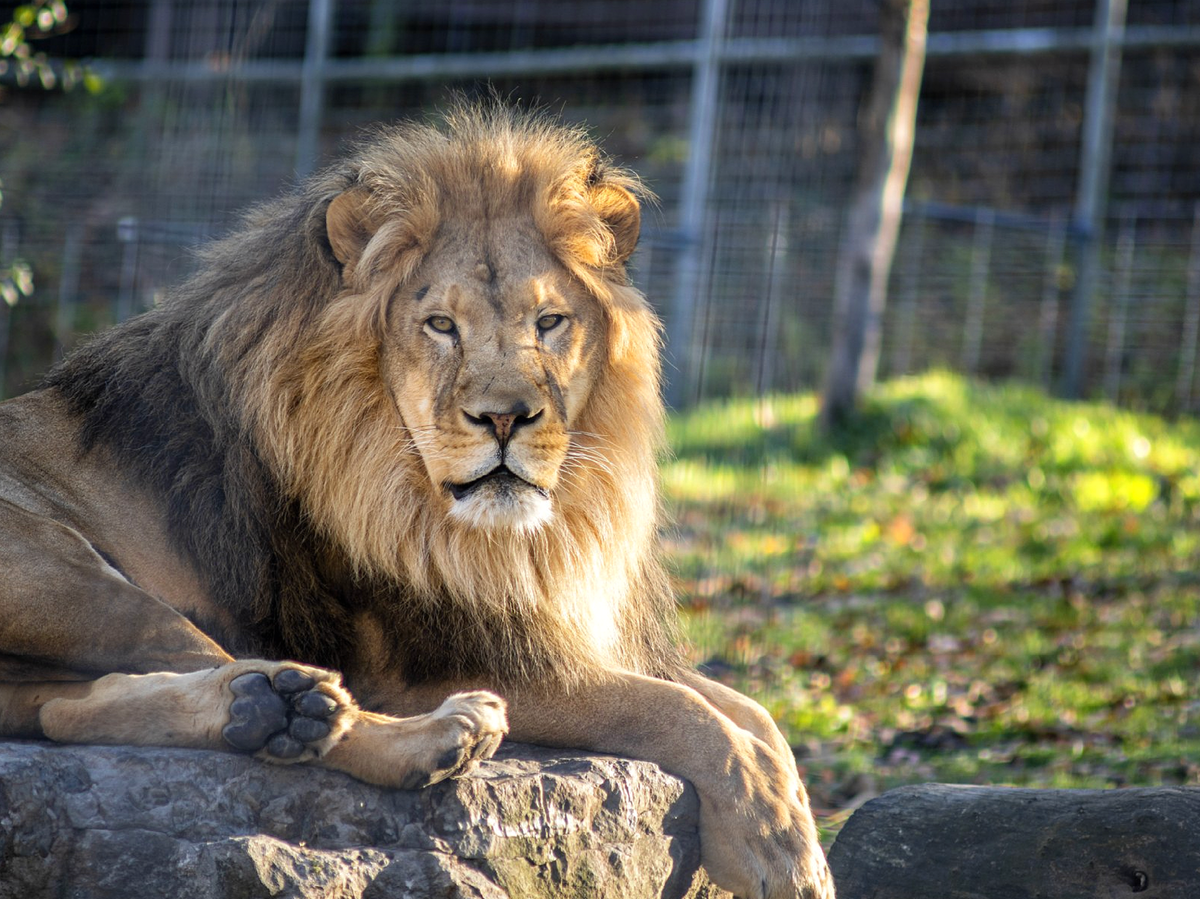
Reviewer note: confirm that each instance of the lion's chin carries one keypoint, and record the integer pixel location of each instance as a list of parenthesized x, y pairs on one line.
[(501, 501)]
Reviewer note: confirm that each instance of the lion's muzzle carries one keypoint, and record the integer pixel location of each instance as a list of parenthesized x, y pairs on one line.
[(500, 499), (500, 480)]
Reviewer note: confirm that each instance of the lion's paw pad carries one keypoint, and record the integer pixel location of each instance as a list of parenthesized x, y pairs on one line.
[(285, 716)]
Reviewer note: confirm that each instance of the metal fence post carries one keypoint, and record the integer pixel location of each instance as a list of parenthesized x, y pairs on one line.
[(769, 319), (1114, 356), (1092, 191), (1191, 320), (981, 263), (312, 84), (68, 288), (1056, 244), (910, 288), (127, 234), (10, 236), (693, 204)]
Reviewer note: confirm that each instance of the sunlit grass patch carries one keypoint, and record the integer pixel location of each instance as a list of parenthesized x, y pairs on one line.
[(972, 583)]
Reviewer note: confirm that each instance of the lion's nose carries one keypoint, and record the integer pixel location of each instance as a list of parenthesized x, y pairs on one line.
[(504, 424)]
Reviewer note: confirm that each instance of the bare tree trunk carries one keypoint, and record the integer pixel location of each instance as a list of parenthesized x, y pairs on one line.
[(886, 129)]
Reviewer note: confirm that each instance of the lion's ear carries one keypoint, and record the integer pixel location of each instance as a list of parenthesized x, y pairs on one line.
[(348, 223), (621, 213)]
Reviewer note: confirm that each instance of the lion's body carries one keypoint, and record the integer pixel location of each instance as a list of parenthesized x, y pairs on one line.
[(402, 424)]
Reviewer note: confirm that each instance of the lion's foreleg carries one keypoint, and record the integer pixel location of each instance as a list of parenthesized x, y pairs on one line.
[(21, 705), (422, 749), (63, 606), (280, 711), (741, 710), (758, 837)]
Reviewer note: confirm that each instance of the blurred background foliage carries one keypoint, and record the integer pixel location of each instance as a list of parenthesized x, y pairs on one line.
[(973, 583), (742, 115)]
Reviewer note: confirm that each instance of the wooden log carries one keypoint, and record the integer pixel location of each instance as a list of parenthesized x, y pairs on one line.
[(961, 842)]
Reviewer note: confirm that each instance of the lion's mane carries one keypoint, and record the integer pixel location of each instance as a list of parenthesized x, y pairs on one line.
[(251, 401)]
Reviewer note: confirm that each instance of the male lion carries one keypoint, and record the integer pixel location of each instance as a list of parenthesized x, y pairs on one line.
[(403, 425)]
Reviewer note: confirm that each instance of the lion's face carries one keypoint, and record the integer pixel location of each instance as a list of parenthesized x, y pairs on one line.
[(491, 349), (487, 280)]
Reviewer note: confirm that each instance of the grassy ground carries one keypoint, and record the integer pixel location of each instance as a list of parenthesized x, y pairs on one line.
[(976, 584)]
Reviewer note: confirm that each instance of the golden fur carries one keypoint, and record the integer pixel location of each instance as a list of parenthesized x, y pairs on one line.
[(403, 423)]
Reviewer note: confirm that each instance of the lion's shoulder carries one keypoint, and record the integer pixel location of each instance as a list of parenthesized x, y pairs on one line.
[(124, 398)]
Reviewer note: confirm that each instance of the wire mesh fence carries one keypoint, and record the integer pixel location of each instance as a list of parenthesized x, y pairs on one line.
[(740, 114)]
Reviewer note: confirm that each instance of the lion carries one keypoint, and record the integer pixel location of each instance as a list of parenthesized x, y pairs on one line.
[(388, 456)]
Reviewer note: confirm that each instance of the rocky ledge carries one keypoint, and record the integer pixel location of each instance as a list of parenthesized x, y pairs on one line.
[(90, 822)]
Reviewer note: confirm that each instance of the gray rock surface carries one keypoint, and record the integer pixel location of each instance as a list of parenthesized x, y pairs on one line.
[(955, 842), (85, 822)]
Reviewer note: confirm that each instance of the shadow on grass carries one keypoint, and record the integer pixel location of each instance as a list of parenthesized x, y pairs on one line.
[(880, 428)]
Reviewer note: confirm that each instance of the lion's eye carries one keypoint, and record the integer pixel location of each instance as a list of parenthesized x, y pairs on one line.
[(549, 322), (443, 324)]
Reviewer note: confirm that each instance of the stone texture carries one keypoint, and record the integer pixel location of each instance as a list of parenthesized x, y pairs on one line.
[(955, 842), (99, 822)]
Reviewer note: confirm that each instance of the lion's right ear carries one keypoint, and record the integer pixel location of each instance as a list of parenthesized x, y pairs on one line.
[(348, 223), (622, 215)]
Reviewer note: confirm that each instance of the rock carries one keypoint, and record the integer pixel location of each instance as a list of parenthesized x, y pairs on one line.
[(88, 822), (956, 842)]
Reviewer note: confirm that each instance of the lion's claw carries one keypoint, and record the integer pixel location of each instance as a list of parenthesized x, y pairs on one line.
[(283, 716)]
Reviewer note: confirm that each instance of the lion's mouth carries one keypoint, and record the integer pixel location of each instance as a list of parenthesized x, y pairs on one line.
[(500, 479)]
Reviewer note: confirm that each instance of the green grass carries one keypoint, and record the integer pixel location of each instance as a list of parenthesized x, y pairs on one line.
[(973, 584)]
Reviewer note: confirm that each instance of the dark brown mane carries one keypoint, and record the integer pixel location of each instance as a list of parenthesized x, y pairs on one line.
[(153, 393)]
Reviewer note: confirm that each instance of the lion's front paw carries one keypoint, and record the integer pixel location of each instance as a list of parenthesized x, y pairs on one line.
[(287, 712), (463, 730), (757, 836), (763, 862)]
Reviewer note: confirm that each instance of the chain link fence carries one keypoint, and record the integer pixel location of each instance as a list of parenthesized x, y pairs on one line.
[(740, 114)]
